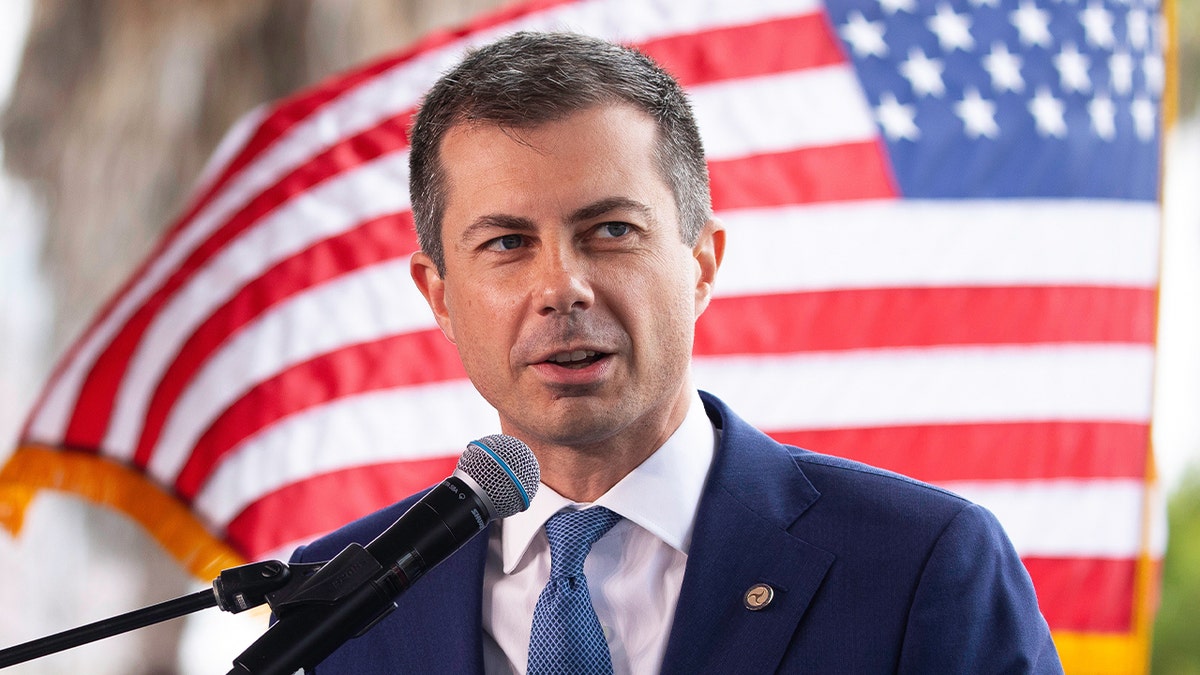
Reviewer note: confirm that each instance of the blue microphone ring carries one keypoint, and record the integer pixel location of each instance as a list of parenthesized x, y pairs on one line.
[(507, 469)]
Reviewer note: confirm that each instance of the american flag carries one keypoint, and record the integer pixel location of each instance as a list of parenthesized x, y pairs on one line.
[(943, 244)]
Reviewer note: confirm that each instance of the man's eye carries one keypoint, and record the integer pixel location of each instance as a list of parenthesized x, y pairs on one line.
[(614, 230), (506, 243)]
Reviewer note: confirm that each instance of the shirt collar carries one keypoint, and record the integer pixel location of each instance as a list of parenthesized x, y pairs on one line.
[(661, 495)]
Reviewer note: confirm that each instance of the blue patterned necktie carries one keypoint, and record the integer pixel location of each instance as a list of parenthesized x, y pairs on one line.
[(566, 635)]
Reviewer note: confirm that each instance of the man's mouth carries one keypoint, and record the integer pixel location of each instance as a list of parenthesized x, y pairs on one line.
[(580, 358)]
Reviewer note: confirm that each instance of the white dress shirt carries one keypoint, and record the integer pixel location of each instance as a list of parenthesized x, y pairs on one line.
[(634, 572)]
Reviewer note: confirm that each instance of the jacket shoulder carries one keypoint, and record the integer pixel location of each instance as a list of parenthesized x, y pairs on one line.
[(360, 531)]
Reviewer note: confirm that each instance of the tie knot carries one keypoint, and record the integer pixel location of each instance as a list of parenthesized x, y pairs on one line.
[(571, 535)]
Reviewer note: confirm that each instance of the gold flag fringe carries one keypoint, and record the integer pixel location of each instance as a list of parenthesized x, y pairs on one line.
[(170, 522), (102, 481)]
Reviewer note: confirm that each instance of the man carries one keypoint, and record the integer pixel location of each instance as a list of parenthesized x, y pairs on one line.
[(568, 247)]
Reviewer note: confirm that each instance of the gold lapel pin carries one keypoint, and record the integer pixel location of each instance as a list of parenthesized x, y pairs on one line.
[(758, 597)]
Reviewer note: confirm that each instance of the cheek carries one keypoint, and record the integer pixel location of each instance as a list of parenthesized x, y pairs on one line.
[(483, 321), (666, 311)]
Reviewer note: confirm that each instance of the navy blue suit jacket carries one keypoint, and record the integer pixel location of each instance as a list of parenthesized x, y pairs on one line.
[(873, 573)]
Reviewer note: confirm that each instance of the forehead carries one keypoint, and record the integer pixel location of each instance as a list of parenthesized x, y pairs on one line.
[(595, 153)]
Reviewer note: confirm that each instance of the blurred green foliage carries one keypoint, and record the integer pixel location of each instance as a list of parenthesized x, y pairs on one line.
[(1187, 31), (1177, 630), (1176, 649)]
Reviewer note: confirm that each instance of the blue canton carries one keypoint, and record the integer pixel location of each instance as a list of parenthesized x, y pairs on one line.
[(1012, 98)]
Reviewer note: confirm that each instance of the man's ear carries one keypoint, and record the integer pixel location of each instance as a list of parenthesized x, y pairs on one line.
[(433, 287), (708, 252)]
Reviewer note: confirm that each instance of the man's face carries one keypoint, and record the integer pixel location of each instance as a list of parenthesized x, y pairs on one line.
[(568, 289)]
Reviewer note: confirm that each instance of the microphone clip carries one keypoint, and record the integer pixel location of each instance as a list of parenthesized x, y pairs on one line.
[(346, 573), (246, 586), (289, 587)]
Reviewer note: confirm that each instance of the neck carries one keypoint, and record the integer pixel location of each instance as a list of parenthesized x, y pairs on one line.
[(584, 472)]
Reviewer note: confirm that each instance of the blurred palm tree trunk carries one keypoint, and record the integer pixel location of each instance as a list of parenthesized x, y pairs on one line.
[(116, 107)]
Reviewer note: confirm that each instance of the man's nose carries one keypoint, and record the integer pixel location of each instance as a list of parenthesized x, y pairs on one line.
[(563, 283)]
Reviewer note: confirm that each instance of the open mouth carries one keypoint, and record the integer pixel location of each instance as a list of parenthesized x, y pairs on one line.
[(580, 358)]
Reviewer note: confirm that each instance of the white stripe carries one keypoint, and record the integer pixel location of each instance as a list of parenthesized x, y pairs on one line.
[(937, 385), (368, 304), (906, 243), (1065, 518), (403, 424), (775, 113), (285, 551), (240, 133), (912, 243), (49, 422), (355, 110), (643, 20), (329, 209), (1053, 518), (1156, 538)]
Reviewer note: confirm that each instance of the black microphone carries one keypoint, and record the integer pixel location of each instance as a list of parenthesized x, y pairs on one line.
[(496, 477)]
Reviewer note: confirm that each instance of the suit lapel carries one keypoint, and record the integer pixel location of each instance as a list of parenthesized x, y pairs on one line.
[(755, 492)]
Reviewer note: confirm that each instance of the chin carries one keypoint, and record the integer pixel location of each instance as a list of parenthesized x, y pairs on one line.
[(571, 430)]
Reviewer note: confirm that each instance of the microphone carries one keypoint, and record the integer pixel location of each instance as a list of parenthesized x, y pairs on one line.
[(496, 477)]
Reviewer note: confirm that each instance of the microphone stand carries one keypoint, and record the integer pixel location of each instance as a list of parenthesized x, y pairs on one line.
[(235, 590)]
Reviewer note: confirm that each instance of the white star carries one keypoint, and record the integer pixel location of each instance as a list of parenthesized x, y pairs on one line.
[(1072, 69), (1120, 68), (1103, 114), (898, 120), (985, 3), (1159, 32), (1048, 112), (893, 6), (1144, 118), (1154, 70), (1097, 25), (1032, 23), (1005, 69), (923, 73), (953, 30), (1137, 27), (865, 37), (978, 114)]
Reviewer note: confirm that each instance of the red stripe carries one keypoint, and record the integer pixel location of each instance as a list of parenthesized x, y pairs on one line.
[(73, 353), (93, 407), (402, 360), (1085, 594), (1075, 594), (918, 317), (383, 238), (286, 115), (998, 451), (291, 111), (788, 324), (776, 46), (779, 45), (830, 173), (303, 511)]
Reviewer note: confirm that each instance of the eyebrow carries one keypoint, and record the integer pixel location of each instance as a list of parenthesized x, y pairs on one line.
[(603, 206), (493, 221)]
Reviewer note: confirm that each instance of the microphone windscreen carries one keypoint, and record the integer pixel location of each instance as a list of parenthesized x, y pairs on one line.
[(505, 469)]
